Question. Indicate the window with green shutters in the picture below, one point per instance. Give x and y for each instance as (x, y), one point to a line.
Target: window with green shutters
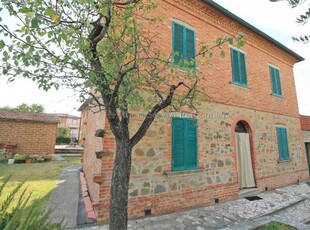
(184, 144)
(183, 46)
(282, 144)
(238, 67)
(275, 81)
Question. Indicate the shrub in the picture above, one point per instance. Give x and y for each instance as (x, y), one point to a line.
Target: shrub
(20, 157)
(13, 218)
(63, 140)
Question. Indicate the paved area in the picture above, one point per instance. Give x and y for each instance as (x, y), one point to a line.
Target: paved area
(59, 157)
(65, 197)
(290, 205)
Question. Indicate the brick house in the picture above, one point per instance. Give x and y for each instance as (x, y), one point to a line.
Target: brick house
(247, 136)
(305, 127)
(27, 133)
(72, 123)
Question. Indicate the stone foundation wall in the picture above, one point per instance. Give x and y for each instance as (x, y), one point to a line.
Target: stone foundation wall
(154, 186)
(306, 135)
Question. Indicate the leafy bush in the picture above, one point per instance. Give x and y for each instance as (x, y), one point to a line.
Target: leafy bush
(63, 140)
(20, 157)
(63, 136)
(22, 216)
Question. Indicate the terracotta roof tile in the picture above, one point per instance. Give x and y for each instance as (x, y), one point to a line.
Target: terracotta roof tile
(305, 122)
(8, 114)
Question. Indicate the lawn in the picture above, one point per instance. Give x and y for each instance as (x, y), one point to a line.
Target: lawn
(41, 178)
(276, 226)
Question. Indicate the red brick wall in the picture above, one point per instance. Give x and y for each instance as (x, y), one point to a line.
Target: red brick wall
(30, 137)
(217, 78)
(92, 165)
(305, 122)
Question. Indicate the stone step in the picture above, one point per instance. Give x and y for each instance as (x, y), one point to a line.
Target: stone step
(248, 192)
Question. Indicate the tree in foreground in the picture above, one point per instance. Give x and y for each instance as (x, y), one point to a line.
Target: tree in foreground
(105, 50)
(301, 20)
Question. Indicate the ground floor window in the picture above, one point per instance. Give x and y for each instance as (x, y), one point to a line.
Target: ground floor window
(282, 144)
(184, 144)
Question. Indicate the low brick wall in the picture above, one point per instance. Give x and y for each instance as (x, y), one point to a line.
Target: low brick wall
(30, 137)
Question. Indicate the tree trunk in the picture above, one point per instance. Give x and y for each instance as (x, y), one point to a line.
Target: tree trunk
(120, 184)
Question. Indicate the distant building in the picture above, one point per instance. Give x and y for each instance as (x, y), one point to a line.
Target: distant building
(84, 109)
(27, 133)
(71, 122)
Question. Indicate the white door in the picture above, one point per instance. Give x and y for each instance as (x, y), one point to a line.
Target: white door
(244, 161)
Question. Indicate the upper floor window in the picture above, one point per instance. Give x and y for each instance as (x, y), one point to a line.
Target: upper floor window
(282, 143)
(184, 144)
(183, 46)
(275, 81)
(238, 67)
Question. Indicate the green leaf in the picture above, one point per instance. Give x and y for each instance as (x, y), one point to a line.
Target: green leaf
(222, 53)
(25, 10)
(49, 12)
(64, 36)
(28, 39)
(35, 23)
(2, 44)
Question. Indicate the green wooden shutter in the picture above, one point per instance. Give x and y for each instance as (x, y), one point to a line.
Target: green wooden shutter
(273, 80)
(280, 144)
(190, 47)
(242, 71)
(283, 144)
(277, 76)
(234, 65)
(184, 144)
(191, 144)
(286, 155)
(177, 43)
(178, 146)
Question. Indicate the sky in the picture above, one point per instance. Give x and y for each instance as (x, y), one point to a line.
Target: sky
(275, 19)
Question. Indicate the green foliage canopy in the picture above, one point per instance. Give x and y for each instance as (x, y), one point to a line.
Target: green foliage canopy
(34, 108)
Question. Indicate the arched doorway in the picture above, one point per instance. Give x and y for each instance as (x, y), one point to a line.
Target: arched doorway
(243, 153)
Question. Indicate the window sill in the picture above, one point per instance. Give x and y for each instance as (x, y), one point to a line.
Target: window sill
(239, 85)
(277, 96)
(184, 173)
(284, 161)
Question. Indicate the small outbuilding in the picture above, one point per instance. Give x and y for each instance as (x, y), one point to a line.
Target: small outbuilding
(27, 133)
(305, 127)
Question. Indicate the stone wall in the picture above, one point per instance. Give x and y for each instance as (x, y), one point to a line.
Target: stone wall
(154, 186)
(306, 135)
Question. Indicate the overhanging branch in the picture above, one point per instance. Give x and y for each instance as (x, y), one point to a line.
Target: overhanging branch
(152, 114)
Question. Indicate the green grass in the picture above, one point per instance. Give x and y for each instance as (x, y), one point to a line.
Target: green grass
(41, 178)
(276, 226)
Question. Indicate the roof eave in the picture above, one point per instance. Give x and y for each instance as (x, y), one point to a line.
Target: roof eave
(254, 29)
